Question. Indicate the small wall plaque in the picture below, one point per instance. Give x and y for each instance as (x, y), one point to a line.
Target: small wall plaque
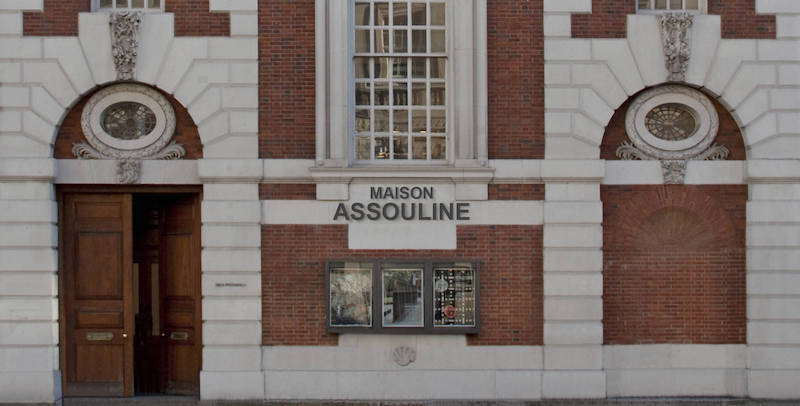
(100, 336)
(179, 336)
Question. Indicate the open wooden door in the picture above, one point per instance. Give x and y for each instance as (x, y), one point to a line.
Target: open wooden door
(97, 293)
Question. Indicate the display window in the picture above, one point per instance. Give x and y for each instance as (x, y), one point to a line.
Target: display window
(413, 297)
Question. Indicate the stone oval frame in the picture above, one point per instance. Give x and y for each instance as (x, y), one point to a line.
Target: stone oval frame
(693, 100)
(142, 147)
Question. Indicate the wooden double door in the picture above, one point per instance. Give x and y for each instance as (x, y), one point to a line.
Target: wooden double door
(130, 293)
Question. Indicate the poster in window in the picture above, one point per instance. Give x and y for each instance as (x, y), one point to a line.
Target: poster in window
(402, 297)
(351, 295)
(454, 296)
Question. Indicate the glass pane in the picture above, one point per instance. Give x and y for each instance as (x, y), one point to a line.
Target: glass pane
(438, 68)
(419, 120)
(644, 4)
(675, 4)
(400, 94)
(362, 148)
(400, 68)
(420, 148)
(402, 297)
(438, 121)
(400, 121)
(418, 41)
(437, 94)
(362, 40)
(437, 41)
(437, 14)
(418, 16)
(420, 95)
(381, 13)
(362, 14)
(362, 67)
(362, 121)
(137, 4)
(400, 41)
(121, 4)
(155, 4)
(454, 296)
(381, 147)
(381, 94)
(661, 4)
(400, 14)
(692, 5)
(106, 3)
(382, 41)
(351, 295)
(401, 147)
(418, 68)
(362, 94)
(438, 148)
(382, 68)
(381, 121)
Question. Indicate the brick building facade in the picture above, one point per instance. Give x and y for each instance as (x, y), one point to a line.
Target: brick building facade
(603, 199)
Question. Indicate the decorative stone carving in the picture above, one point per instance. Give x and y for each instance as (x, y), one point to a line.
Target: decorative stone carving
(404, 355)
(695, 143)
(675, 28)
(150, 141)
(124, 41)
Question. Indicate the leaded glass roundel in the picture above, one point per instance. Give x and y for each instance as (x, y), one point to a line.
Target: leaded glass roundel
(128, 120)
(671, 122)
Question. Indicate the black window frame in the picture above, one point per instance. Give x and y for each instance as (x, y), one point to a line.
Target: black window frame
(427, 294)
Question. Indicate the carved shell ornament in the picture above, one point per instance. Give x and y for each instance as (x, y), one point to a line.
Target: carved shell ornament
(128, 123)
(672, 124)
(404, 355)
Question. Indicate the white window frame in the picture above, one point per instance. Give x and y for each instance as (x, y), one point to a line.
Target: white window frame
(702, 8)
(466, 103)
(96, 6)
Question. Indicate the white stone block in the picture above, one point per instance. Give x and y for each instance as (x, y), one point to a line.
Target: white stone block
(301, 385)
(225, 260)
(572, 192)
(244, 73)
(10, 121)
(789, 122)
(11, 23)
(504, 212)
(569, 147)
(47, 107)
(705, 38)
(406, 235)
(155, 37)
(26, 191)
(676, 382)
(198, 78)
(573, 259)
(604, 83)
(781, 50)
(20, 48)
(561, 98)
(773, 235)
(35, 5)
(217, 125)
(231, 385)
(789, 74)
(777, 6)
(557, 25)
(557, 73)
(233, 5)
(240, 97)
(28, 259)
(518, 385)
(787, 26)
(715, 173)
(28, 333)
(515, 357)
(244, 24)
(232, 236)
(29, 235)
(472, 191)
(633, 173)
(557, 123)
(231, 284)
(70, 57)
(288, 169)
(21, 146)
(561, 308)
(784, 99)
(298, 212)
(573, 333)
(218, 358)
(230, 170)
(752, 107)
(28, 309)
(567, 6)
(773, 308)
(179, 58)
(578, 235)
(774, 384)
(231, 212)
(778, 259)
(746, 79)
(50, 75)
(10, 72)
(37, 128)
(595, 107)
(619, 58)
(233, 48)
(555, 170)
(333, 191)
(232, 308)
(761, 129)
(777, 147)
(566, 357)
(730, 55)
(587, 129)
(708, 356)
(567, 49)
(27, 387)
(773, 332)
(637, 357)
(644, 39)
(778, 357)
(772, 191)
(14, 96)
(95, 38)
(773, 283)
(231, 333)
(773, 170)
(28, 359)
(28, 283)
(233, 146)
(573, 212)
(573, 283)
(230, 191)
(573, 384)
(26, 169)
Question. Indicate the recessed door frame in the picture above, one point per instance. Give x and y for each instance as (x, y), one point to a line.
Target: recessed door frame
(61, 191)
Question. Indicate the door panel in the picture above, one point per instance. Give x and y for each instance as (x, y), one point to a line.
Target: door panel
(97, 294)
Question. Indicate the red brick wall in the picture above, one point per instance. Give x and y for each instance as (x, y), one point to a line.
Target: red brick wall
(293, 280)
(516, 79)
(729, 136)
(286, 79)
(286, 191)
(71, 132)
(608, 19)
(60, 17)
(516, 192)
(674, 264)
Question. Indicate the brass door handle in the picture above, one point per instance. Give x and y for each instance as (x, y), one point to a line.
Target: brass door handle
(124, 335)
